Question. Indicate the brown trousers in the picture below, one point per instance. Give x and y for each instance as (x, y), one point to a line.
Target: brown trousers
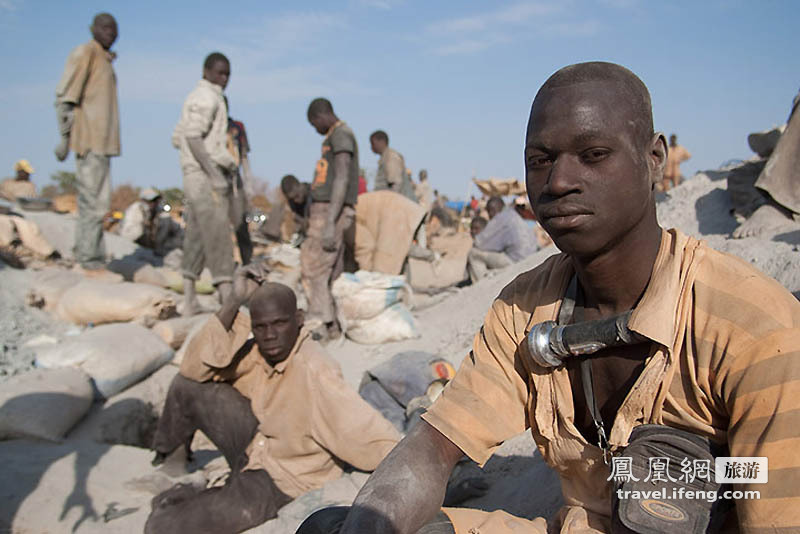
(319, 267)
(248, 498)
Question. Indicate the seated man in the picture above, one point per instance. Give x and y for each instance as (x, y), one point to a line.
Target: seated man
(717, 350)
(20, 185)
(146, 224)
(506, 239)
(275, 404)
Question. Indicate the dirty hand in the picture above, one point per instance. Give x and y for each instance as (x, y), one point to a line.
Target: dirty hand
(328, 238)
(247, 279)
(62, 149)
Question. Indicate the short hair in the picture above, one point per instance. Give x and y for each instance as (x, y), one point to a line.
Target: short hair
(101, 16)
(380, 135)
(288, 183)
(479, 220)
(213, 58)
(319, 106)
(631, 87)
(495, 203)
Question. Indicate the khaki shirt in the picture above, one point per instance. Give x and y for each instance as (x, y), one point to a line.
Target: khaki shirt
(90, 84)
(724, 363)
(12, 189)
(424, 194)
(675, 156)
(310, 420)
(204, 114)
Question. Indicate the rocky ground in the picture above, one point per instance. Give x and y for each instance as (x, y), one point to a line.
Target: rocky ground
(100, 479)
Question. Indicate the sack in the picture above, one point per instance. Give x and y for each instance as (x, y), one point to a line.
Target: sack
(660, 515)
(175, 331)
(97, 302)
(393, 324)
(49, 285)
(364, 295)
(115, 356)
(44, 403)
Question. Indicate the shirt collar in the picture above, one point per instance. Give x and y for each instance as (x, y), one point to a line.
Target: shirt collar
(655, 317)
(214, 87)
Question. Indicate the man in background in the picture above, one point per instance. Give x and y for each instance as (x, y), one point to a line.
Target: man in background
(334, 193)
(88, 121)
(676, 155)
(504, 240)
(208, 169)
(423, 191)
(20, 185)
(391, 167)
(239, 147)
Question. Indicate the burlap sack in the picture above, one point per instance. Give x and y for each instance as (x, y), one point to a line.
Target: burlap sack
(447, 270)
(175, 331)
(44, 403)
(115, 356)
(49, 285)
(97, 302)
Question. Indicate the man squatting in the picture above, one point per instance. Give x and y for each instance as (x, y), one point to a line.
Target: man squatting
(720, 358)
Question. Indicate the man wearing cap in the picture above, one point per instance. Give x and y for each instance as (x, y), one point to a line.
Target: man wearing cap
(148, 225)
(20, 185)
(88, 120)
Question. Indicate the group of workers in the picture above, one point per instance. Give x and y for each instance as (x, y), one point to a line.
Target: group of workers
(716, 356)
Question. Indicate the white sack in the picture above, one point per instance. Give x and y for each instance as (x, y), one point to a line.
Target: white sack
(393, 324)
(364, 294)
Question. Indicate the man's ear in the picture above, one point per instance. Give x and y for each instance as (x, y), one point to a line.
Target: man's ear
(300, 317)
(657, 157)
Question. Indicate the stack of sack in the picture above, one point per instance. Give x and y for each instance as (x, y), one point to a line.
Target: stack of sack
(374, 307)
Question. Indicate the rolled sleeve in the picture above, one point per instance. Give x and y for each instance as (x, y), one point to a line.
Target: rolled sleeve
(211, 351)
(348, 427)
(485, 403)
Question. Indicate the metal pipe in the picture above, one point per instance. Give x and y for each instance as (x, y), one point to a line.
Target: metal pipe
(551, 344)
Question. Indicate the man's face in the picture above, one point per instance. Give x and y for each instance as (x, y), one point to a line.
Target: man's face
(22, 175)
(297, 194)
(104, 31)
(587, 174)
(475, 228)
(493, 210)
(376, 145)
(320, 124)
(275, 328)
(218, 73)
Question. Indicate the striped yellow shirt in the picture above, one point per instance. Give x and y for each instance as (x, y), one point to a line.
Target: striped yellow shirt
(724, 363)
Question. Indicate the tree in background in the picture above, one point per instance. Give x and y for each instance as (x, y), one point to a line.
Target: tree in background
(173, 196)
(260, 199)
(64, 184)
(123, 196)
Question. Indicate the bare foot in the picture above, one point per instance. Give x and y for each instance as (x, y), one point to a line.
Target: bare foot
(768, 218)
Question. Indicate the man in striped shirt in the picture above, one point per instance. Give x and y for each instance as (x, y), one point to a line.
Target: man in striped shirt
(721, 356)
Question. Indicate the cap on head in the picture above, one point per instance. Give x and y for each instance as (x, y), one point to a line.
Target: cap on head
(149, 194)
(631, 88)
(24, 166)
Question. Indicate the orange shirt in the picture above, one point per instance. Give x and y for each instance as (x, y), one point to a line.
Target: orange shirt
(724, 363)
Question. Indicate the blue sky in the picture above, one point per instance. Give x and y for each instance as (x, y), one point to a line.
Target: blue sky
(451, 82)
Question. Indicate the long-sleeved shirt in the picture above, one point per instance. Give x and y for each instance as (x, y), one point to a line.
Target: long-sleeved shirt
(724, 363)
(310, 420)
(205, 115)
(89, 83)
(507, 232)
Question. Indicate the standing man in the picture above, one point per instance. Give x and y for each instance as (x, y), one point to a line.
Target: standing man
(208, 169)
(391, 167)
(423, 191)
(334, 193)
(676, 155)
(239, 147)
(88, 121)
